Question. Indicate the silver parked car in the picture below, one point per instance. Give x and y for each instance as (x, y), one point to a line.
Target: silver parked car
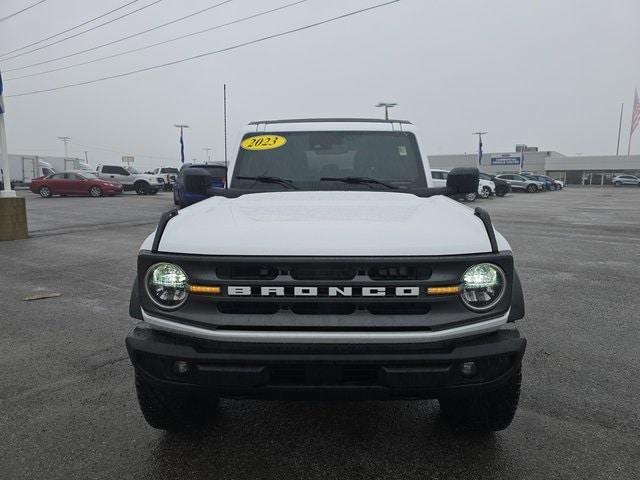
(518, 182)
(625, 180)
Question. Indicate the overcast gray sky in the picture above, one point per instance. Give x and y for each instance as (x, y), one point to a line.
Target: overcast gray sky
(549, 73)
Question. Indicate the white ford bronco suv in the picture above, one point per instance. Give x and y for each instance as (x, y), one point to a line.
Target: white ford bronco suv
(330, 266)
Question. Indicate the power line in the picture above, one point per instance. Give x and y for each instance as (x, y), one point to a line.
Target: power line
(206, 54)
(69, 29)
(243, 19)
(82, 32)
(20, 11)
(121, 39)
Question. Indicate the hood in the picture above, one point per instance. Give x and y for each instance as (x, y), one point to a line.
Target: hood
(326, 223)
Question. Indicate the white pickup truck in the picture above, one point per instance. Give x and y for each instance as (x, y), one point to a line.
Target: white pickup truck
(169, 174)
(131, 179)
(330, 266)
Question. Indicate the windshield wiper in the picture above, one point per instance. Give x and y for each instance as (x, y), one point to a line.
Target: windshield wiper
(266, 179)
(361, 180)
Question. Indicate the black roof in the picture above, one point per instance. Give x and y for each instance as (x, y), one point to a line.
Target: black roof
(344, 120)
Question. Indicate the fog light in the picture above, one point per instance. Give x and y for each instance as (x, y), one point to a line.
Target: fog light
(468, 369)
(180, 367)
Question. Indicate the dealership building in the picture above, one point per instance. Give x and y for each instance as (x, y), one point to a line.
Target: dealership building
(571, 169)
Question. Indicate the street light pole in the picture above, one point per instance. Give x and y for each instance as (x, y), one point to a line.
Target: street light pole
(386, 106)
(65, 140)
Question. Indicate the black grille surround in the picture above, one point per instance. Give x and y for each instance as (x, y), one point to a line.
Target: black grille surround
(323, 312)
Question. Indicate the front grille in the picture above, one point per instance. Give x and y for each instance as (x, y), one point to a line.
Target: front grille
(399, 272)
(247, 272)
(325, 293)
(257, 308)
(323, 308)
(322, 272)
(404, 308)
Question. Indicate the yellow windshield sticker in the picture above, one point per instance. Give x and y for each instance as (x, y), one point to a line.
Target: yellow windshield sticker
(263, 142)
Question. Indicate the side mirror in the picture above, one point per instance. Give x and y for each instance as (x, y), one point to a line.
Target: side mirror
(463, 180)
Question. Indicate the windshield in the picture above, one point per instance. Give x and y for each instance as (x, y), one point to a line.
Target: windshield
(88, 175)
(168, 170)
(319, 160)
(132, 170)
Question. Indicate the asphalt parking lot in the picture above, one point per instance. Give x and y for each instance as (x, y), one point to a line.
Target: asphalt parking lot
(68, 406)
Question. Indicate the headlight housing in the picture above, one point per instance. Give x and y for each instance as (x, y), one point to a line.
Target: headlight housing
(166, 285)
(483, 286)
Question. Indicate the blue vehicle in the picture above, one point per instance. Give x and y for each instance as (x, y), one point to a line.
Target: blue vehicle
(195, 179)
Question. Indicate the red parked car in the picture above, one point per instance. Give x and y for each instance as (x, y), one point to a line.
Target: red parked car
(74, 183)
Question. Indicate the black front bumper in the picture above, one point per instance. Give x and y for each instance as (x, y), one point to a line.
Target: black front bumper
(305, 370)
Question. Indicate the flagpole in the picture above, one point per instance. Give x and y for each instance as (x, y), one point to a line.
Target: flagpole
(7, 191)
(226, 159)
(181, 127)
(619, 130)
(480, 145)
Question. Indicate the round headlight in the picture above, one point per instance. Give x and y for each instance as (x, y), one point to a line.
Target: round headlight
(166, 285)
(482, 286)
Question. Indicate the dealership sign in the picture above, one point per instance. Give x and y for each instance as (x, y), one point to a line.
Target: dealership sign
(505, 160)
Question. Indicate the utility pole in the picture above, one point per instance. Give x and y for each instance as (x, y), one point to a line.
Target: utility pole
(207, 150)
(619, 130)
(181, 127)
(65, 140)
(386, 106)
(480, 145)
(86, 157)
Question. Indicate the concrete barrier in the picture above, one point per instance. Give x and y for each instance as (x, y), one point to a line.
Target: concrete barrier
(13, 219)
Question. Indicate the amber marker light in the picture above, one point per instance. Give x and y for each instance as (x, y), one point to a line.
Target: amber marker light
(204, 289)
(447, 290)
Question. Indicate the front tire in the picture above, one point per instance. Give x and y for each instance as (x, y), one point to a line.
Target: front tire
(471, 197)
(488, 412)
(45, 192)
(141, 188)
(486, 192)
(617, 184)
(166, 410)
(532, 188)
(95, 191)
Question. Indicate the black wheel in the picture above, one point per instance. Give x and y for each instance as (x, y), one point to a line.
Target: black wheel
(95, 191)
(532, 188)
(45, 192)
(487, 412)
(501, 193)
(486, 192)
(142, 188)
(617, 184)
(166, 410)
(471, 197)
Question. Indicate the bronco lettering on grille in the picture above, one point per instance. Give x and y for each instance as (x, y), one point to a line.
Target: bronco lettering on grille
(292, 291)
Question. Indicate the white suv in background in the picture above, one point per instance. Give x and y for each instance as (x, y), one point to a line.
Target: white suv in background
(486, 188)
(169, 174)
(625, 180)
